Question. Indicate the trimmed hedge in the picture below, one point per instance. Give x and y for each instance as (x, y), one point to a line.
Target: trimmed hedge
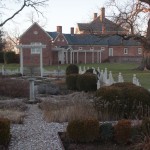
(83, 130)
(123, 99)
(4, 131)
(122, 131)
(72, 69)
(71, 81)
(14, 87)
(87, 82)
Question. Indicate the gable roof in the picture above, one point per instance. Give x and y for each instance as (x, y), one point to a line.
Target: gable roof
(35, 24)
(96, 26)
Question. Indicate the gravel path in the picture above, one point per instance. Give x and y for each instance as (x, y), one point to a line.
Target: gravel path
(35, 133)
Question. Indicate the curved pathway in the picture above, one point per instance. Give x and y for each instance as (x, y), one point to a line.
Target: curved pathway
(35, 133)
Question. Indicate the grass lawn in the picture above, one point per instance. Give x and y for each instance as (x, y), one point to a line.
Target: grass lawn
(127, 70)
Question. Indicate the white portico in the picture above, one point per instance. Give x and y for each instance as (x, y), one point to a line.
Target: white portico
(66, 56)
(38, 47)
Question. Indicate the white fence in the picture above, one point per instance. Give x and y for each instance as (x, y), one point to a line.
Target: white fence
(105, 78)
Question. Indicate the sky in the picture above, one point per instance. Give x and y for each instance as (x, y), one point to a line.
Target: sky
(65, 13)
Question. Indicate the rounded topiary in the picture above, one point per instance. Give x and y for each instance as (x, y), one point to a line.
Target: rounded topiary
(106, 132)
(4, 131)
(71, 81)
(83, 130)
(124, 99)
(122, 131)
(87, 82)
(72, 69)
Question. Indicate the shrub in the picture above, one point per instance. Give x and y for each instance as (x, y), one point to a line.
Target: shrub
(89, 70)
(72, 69)
(71, 81)
(14, 88)
(145, 126)
(83, 130)
(86, 82)
(106, 132)
(4, 131)
(123, 99)
(122, 131)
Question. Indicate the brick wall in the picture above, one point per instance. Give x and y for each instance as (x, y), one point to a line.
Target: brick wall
(36, 34)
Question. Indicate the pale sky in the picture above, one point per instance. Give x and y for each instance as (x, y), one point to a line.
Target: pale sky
(66, 13)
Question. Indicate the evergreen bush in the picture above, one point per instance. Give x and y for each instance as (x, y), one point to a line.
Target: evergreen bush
(87, 82)
(106, 132)
(72, 69)
(4, 131)
(122, 131)
(83, 130)
(71, 81)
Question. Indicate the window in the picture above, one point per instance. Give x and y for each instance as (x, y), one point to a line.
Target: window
(103, 48)
(139, 50)
(125, 50)
(110, 51)
(35, 50)
(80, 48)
(58, 39)
(63, 40)
(91, 48)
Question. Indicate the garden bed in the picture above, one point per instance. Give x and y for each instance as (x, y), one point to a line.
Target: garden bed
(96, 145)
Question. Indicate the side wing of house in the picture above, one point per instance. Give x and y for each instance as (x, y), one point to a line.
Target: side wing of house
(36, 35)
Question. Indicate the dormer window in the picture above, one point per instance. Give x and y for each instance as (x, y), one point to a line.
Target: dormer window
(63, 40)
(80, 48)
(58, 39)
(103, 48)
(125, 50)
(91, 48)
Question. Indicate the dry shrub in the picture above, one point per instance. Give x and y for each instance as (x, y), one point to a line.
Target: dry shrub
(143, 144)
(14, 87)
(13, 105)
(64, 111)
(14, 116)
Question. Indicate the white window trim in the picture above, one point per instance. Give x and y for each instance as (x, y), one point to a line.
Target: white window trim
(91, 48)
(125, 50)
(139, 51)
(103, 48)
(80, 48)
(111, 51)
(35, 50)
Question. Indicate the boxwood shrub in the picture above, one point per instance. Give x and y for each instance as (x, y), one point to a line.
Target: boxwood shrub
(124, 100)
(71, 81)
(72, 69)
(87, 82)
(83, 130)
(4, 131)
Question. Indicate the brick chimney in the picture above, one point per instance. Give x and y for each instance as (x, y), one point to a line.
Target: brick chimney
(72, 30)
(102, 15)
(95, 16)
(59, 29)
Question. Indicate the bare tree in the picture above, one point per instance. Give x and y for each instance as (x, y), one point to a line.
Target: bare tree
(131, 15)
(35, 4)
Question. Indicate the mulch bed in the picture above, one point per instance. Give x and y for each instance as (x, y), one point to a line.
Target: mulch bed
(96, 145)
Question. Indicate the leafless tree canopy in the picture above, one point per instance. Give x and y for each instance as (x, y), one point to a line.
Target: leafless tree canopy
(35, 4)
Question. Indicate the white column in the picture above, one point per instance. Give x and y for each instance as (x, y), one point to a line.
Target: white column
(21, 60)
(100, 57)
(70, 57)
(73, 57)
(41, 62)
(93, 57)
(97, 57)
(77, 57)
(85, 57)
